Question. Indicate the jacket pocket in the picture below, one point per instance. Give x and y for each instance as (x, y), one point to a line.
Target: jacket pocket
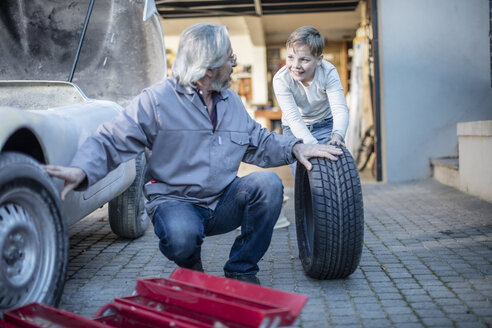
(240, 138)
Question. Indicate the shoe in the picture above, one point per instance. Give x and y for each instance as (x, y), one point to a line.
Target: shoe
(197, 266)
(251, 278)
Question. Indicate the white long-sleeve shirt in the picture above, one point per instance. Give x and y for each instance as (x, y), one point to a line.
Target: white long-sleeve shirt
(302, 105)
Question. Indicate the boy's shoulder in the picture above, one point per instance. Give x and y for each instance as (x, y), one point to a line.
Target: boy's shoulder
(327, 72)
(282, 74)
(326, 66)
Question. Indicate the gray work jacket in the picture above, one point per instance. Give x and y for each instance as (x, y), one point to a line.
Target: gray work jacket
(188, 161)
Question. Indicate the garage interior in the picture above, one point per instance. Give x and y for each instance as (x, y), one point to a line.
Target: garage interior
(258, 31)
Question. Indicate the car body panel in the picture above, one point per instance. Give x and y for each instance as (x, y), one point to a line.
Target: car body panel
(109, 49)
(121, 54)
(60, 130)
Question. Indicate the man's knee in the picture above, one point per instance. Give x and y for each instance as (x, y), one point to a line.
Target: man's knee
(178, 245)
(274, 182)
(269, 185)
(270, 182)
(179, 236)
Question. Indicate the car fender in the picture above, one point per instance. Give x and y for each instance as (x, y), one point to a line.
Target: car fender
(60, 131)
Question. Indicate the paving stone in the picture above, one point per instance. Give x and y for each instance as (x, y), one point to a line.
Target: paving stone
(398, 310)
(344, 320)
(361, 293)
(337, 298)
(430, 312)
(345, 311)
(486, 320)
(339, 304)
(409, 325)
(365, 300)
(376, 323)
(437, 322)
(470, 324)
(365, 314)
(413, 292)
(425, 263)
(418, 298)
(483, 311)
(405, 318)
(390, 296)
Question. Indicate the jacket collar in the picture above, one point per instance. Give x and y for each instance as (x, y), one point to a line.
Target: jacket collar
(191, 91)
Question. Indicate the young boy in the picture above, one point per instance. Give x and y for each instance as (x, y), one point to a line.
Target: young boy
(309, 91)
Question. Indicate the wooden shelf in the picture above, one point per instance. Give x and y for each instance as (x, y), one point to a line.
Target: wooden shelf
(269, 115)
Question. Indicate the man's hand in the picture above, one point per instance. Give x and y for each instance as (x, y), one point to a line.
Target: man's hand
(304, 152)
(336, 140)
(72, 176)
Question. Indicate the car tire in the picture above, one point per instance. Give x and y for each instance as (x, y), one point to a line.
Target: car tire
(127, 215)
(33, 239)
(329, 217)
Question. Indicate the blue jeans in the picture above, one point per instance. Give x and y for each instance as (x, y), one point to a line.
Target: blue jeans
(320, 130)
(252, 202)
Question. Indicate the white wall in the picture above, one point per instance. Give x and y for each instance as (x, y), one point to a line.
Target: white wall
(250, 54)
(435, 72)
(247, 41)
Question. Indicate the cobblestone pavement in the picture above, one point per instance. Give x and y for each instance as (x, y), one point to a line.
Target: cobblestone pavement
(427, 262)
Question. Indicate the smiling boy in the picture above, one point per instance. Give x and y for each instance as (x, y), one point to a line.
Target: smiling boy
(309, 91)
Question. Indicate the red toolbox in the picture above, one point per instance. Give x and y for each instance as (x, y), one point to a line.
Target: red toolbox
(39, 315)
(293, 303)
(187, 299)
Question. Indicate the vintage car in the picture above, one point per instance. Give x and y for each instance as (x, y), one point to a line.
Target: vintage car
(66, 67)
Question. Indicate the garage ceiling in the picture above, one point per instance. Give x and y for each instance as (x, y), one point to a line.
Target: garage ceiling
(209, 8)
(335, 19)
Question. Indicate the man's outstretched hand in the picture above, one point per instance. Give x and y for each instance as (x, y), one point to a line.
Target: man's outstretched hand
(303, 152)
(72, 176)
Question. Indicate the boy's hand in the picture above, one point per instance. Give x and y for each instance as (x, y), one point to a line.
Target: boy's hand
(303, 152)
(72, 176)
(336, 140)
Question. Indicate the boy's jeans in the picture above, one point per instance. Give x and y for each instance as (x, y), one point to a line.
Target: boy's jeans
(252, 202)
(321, 131)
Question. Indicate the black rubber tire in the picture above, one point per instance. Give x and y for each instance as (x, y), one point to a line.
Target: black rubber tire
(127, 215)
(329, 217)
(33, 239)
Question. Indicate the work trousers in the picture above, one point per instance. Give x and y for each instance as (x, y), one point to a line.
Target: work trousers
(252, 202)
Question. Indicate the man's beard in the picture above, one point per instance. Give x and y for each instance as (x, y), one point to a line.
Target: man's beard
(220, 85)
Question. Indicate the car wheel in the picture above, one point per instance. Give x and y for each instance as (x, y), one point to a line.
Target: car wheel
(127, 215)
(33, 240)
(329, 217)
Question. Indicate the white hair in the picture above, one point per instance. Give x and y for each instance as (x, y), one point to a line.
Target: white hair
(201, 46)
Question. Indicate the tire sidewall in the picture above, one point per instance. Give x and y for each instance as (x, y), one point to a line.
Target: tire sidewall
(301, 207)
(127, 216)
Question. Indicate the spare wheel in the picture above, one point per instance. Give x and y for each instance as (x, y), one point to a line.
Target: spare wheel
(329, 217)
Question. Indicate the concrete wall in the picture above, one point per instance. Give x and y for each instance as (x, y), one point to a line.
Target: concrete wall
(475, 158)
(435, 72)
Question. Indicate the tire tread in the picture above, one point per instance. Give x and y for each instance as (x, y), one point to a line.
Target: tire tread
(337, 212)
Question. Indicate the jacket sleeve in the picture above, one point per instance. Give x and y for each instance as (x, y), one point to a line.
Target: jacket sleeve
(268, 149)
(118, 141)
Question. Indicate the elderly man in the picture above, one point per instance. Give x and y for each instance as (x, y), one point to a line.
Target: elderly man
(199, 132)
